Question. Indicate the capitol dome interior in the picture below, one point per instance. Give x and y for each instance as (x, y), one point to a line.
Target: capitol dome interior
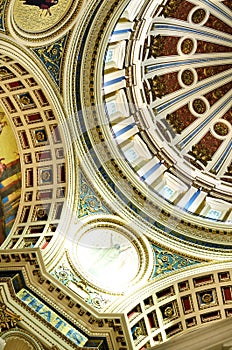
(115, 174)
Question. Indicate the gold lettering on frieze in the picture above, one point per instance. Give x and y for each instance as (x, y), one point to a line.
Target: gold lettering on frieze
(52, 317)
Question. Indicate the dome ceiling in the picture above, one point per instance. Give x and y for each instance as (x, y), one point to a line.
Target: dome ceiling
(167, 95)
(121, 112)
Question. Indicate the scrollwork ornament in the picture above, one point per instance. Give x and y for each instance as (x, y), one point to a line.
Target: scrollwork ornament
(166, 262)
(51, 56)
(8, 319)
(89, 203)
(67, 277)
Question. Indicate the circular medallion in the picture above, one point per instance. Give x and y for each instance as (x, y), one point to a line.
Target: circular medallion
(199, 106)
(187, 46)
(107, 258)
(187, 77)
(207, 298)
(198, 16)
(35, 16)
(221, 129)
(168, 312)
(41, 22)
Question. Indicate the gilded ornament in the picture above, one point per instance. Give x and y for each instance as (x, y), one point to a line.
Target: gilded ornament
(229, 169)
(170, 7)
(7, 318)
(54, 51)
(209, 47)
(187, 46)
(209, 71)
(218, 94)
(199, 106)
(97, 302)
(41, 212)
(168, 312)
(3, 72)
(67, 277)
(166, 262)
(218, 25)
(221, 129)
(25, 100)
(156, 45)
(187, 77)
(51, 56)
(89, 202)
(198, 16)
(28, 244)
(2, 5)
(36, 16)
(207, 298)
(138, 331)
(158, 88)
(165, 258)
(39, 136)
(46, 175)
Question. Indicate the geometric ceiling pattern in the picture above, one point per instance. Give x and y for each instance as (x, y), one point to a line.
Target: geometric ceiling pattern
(41, 154)
(176, 128)
(115, 170)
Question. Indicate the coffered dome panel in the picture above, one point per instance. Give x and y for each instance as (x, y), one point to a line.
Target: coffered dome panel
(162, 128)
(30, 114)
(179, 93)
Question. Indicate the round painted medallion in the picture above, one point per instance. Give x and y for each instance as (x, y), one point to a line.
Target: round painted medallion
(35, 16)
(108, 258)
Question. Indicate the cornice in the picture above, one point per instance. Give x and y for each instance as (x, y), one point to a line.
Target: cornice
(61, 299)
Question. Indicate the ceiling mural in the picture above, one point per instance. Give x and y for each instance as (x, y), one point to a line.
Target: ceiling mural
(39, 22)
(10, 176)
(39, 15)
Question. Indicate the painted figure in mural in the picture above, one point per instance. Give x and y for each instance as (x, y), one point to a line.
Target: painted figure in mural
(107, 256)
(42, 4)
(10, 192)
(2, 167)
(108, 260)
(10, 177)
(2, 124)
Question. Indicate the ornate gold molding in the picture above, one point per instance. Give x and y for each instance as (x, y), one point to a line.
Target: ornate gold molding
(8, 319)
